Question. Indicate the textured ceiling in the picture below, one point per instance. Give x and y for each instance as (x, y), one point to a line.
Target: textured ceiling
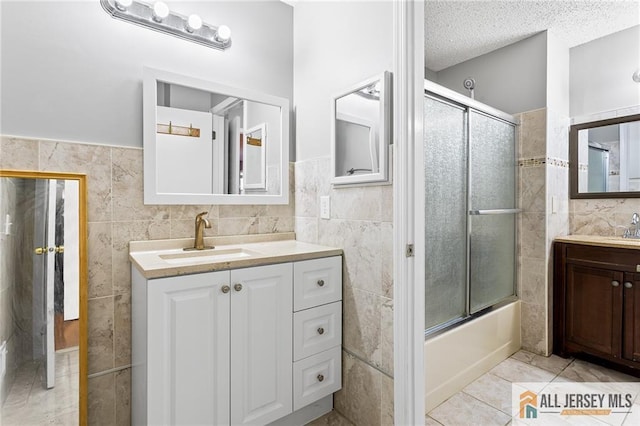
(456, 31)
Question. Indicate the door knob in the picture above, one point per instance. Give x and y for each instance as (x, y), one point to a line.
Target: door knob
(225, 289)
(40, 250)
(615, 283)
(237, 287)
(628, 284)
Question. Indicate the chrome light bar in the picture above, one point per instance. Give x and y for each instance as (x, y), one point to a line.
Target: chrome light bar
(158, 17)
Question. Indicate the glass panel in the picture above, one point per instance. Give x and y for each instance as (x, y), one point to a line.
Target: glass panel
(493, 163)
(492, 238)
(445, 164)
(491, 261)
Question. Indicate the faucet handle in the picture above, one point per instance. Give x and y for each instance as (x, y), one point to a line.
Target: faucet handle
(635, 219)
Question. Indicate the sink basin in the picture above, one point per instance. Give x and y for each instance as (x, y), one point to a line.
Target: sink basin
(212, 255)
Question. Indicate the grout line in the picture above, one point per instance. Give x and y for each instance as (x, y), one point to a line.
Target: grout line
(111, 370)
(367, 362)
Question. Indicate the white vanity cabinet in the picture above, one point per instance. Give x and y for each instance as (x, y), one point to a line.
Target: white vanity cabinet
(231, 347)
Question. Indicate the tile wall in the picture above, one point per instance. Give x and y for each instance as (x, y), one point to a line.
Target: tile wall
(8, 276)
(532, 279)
(544, 195)
(360, 224)
(117, 215)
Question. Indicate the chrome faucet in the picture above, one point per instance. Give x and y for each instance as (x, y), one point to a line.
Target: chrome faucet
(201, 223)
(635, 220)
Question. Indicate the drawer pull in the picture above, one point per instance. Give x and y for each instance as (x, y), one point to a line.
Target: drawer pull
(320, 377)
(320, 330)
(320, 283)
(237, 287)
(225, 289)
(615, 283)
(628, 285)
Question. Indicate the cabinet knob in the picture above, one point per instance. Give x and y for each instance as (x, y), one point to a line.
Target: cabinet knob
(237, 287)
(320, 377)
(225, 289)
(615, 283)
(320, 330)
(628, 284)
(320, 283)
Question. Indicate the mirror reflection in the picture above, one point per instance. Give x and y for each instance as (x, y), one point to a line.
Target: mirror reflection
(206, 143)
(608, 156)
(361, 125)
(40, 281)
(215, 143)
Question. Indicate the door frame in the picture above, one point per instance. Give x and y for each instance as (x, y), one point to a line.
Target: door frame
(408, 239)
(83, 271)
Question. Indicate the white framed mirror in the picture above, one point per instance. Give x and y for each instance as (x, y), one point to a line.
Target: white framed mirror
(206, 143)
(361, 132)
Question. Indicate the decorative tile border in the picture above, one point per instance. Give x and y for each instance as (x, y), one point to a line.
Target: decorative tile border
(541, 161)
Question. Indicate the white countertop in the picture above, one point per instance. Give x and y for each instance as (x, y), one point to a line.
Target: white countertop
(596, 240)
(165, 258)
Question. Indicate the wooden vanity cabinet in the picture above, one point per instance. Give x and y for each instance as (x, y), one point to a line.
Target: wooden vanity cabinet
(596, 303)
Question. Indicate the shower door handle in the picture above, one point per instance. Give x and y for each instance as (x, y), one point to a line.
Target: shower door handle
(493, 211)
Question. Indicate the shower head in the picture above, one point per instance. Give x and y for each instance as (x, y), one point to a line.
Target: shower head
(469, 83)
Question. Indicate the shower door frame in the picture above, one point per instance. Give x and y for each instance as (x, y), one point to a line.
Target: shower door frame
(457, 100)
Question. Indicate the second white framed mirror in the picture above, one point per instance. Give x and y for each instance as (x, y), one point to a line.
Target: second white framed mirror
(361, 132)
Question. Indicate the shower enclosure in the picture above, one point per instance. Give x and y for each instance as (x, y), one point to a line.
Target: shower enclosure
(470, 208)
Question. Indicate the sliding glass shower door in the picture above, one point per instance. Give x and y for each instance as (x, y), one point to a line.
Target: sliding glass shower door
(470, 207)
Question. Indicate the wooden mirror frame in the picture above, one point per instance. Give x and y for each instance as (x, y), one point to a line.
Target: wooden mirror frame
(573, 159)
(83, 274)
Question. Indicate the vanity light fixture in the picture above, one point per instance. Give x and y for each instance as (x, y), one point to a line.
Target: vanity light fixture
(157, 16)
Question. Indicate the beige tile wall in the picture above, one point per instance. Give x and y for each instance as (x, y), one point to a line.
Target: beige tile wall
(532, 255)
(543, 197)
(361, 224)
(117, 215)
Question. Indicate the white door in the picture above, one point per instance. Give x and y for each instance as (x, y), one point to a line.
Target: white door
(261, 343)
(188, 350)
(43, 277)
(218, 160)
(189, 157)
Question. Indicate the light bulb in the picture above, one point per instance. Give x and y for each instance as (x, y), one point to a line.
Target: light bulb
(123, 4)
(160, 11)
(194, 22)
(223, 34)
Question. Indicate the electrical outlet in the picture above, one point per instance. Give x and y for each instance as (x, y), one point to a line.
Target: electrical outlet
(325, 207)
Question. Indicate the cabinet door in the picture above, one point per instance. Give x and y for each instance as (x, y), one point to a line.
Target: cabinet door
(261, 344)
(594, 309)
(631, 325)
(188, 350)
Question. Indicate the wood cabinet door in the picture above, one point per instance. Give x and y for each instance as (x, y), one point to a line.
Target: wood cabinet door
(594, 309)
(188, 350)
(631, 324)
(261, 344)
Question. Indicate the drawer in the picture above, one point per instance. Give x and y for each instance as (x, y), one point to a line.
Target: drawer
(316, 330)
(316, 377)
(317, 282)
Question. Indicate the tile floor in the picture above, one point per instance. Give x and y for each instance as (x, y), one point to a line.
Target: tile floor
(29, 403)
(487, 401)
